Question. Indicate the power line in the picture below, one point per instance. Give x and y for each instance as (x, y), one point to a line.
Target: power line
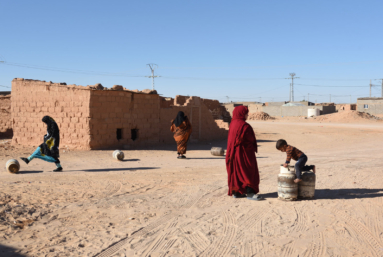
(325, 86)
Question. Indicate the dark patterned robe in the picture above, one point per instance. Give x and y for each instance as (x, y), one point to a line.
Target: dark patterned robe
(51, 144)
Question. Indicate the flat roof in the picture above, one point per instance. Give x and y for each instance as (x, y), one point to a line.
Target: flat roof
(370, 98)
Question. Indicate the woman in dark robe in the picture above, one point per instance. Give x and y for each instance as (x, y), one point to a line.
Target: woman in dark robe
(182, 129)
(49, 150)
(241, 163)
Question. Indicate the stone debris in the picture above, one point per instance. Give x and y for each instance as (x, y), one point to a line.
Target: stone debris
(260, 116)
(348, 116)
(118, 88)
(17, 215)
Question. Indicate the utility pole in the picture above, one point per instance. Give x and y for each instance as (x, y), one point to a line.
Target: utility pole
(370, 87)
(152, 67)
(292, 75)
(228, 99)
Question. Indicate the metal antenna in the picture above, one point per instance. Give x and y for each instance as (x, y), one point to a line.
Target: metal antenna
(292, 75)
(152, 67)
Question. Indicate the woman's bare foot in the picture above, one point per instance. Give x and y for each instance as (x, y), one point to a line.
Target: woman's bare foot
(314, 169)
(297, 180)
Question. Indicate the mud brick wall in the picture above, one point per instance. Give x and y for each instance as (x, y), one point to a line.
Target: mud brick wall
(101, 119)
(255, 108)
(5, 117)
(205, 128)
(345, 107)
(166, 102)
(113, 110)
(67, 105)
(180, 100)
(217, 110)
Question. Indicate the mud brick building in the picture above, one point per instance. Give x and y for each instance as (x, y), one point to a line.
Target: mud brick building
(5, 116)
(94, 117)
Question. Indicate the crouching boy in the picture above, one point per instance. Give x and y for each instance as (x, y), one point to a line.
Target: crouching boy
(298, 156)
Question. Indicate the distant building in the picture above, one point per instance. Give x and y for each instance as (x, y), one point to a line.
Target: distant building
(371, 105)
(5, 92)
(345, 107)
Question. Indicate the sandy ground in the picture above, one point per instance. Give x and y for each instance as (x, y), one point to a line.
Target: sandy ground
(153, 204)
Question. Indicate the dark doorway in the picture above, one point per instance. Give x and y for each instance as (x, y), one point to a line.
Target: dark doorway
(134, 133)
(119, 134)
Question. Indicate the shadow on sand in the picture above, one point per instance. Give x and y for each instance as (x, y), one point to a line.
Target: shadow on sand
(265, 141)
(29, 171)
(118, 169)
(131, 160)
(207, 158)
(7, 251)
(344, 193)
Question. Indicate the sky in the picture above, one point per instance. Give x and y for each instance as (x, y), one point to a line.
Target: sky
(225, 50)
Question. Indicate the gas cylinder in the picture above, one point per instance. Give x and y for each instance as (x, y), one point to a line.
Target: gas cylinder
(12, 166)
(118, 155)
(287, 188)
(217, 151)
(306, 188)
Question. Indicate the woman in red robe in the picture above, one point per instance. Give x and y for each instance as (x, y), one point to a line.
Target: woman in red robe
(241, 163)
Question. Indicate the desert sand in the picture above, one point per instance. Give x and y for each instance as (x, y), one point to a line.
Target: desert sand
(152, 204)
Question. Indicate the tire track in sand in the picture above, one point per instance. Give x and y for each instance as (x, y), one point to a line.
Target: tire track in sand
(221, 246)
(318, 246)
(196, 240)
(300, 223)
(251, 222)
(363, 231)
(160, 243)
(116, 247)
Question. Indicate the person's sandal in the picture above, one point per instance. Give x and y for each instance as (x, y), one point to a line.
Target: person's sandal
(25, 160)
(58, 169)
(254, 197)
(238, 195)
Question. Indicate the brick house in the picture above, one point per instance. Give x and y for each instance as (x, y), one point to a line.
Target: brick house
(94, 117)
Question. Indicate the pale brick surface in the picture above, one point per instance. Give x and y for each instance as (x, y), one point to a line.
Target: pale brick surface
(32, 100)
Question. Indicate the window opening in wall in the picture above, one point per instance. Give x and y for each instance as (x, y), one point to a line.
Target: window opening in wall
(119, 134)
(365, 106)
(134, 133)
